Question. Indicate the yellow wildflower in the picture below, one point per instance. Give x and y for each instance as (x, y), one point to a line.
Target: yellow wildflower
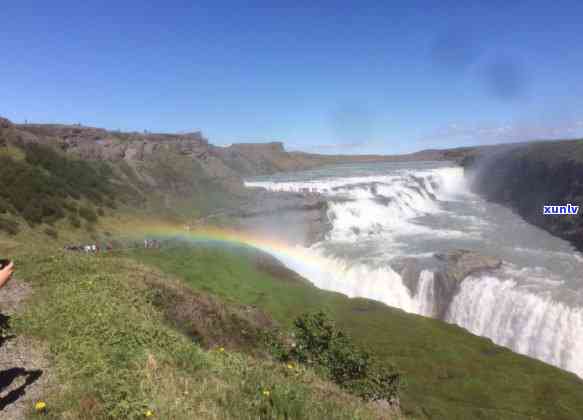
(266, 393)
(40, 406)
(222, 349)
(290, 366)
(149, 413)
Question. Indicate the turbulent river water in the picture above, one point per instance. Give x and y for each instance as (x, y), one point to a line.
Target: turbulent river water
(386, 211)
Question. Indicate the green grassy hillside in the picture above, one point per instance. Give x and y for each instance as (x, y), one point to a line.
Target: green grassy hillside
(41, 187)
(450, 374)
(115, 328)
(116, 356)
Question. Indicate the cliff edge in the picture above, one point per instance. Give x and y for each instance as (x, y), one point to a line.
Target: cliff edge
(528, 177)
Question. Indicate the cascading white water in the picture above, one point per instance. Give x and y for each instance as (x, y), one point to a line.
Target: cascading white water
(382, 284)
(356, 280)
(525, 322)
(498, 309)
(377, 205)
(425, 296)
(374, 214)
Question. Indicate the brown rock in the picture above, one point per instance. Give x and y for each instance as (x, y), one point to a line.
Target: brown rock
(5, 123)
(459, 264)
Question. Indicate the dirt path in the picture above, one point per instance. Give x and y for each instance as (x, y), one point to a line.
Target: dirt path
(23, 365)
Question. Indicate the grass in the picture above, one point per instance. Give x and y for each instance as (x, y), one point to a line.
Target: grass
(450, 374)
(115, 356)
(142, 331)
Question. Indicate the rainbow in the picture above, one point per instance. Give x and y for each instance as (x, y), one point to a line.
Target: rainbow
(217, 235)
(380, 283)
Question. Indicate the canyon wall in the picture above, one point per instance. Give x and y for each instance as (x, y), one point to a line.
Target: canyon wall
(528, 177)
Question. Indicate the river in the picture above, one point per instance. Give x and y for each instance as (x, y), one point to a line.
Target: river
(383, 212)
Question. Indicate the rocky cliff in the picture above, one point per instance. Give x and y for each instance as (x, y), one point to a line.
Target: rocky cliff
(449, 269)
(135, 149)
(180, 173)
(235, 161)
(528, 177)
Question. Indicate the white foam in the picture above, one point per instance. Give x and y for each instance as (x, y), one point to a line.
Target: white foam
(501, 309)
(425, 296)
(516, 308)
(450, 180)
(357, 280)
(528, 323)
(381, 204)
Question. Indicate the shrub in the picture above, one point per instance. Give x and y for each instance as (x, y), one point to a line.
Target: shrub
(52, 233)
(321, 344)
(110, 203)
(88, 214)
(33, 214)
(5, 206)
(42, 183)
(70, 206)
(75, 221)
(51, 210)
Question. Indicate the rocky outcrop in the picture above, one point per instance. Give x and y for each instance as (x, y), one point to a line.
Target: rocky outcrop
(4, 123)
(169, 163)
(242, 159)
(449, 269)
(409, 269)
(457, 265)
(172, 169)
(251, 159)
(99, 144)
(461, 263)
(528, 177)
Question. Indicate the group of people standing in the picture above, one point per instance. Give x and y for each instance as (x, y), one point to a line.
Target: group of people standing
(7, 271)
(151, 243)
(97, 248)
(89, 249)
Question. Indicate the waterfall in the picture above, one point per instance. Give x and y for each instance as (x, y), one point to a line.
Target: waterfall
(372, 215)
(425, 296)
(517, 318)
(382, 284)
(381, 204)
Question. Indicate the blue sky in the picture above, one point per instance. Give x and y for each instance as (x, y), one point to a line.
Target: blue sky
(323, 76)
